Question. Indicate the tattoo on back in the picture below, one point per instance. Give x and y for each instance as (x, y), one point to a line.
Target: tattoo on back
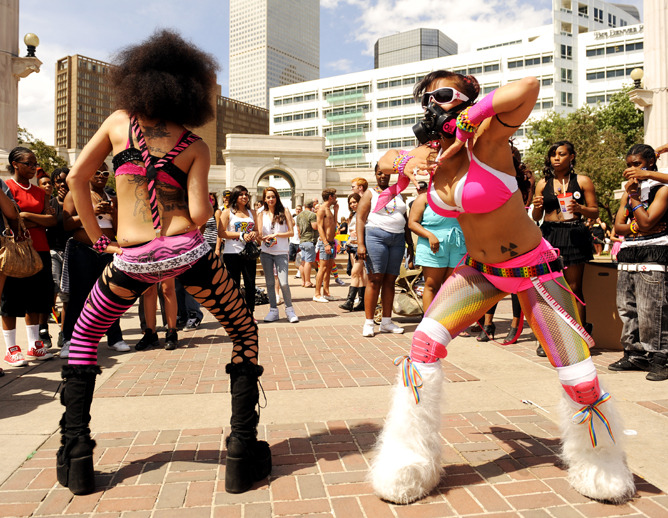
(157, 131)
(509, 249)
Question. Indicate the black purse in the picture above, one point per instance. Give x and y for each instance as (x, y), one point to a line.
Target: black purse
(250, 252)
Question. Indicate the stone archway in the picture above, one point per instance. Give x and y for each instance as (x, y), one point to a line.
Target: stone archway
(282, 182)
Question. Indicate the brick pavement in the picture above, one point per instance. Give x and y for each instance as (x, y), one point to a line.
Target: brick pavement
(498, 463)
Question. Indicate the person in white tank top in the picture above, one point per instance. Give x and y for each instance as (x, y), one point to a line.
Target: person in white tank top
(237, 224)
(275, 227)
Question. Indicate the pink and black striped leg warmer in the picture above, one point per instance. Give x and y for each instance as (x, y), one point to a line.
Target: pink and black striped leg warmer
(102, 308)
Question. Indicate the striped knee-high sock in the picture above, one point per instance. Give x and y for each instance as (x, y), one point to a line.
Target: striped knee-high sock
(102, 308)
(335, 271)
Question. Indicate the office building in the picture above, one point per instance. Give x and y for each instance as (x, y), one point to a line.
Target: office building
(84, 101)
(584, 56)
(272, 43)
(410, 46)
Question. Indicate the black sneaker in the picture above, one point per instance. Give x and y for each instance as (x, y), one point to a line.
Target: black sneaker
(658, 367)
(149, 339)
(540, 352)
(45, 337)
(192, 324)
(631, 362)
(171, 340)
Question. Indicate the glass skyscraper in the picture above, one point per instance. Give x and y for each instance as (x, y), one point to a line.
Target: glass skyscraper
(272, 43)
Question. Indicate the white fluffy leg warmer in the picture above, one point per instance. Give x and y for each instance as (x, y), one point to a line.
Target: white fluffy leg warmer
(599, 473)
(407, 462)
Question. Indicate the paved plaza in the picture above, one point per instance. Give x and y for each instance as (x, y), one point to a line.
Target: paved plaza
(160, 418)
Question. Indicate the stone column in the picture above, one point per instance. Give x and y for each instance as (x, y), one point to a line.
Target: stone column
(656, 74)
(12, 68)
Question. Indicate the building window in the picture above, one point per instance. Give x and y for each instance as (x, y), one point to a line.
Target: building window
(546, 81)
(593, 76)
(547, 59)
(614, 49)
(516, 63)
(598, 15)
(612, 20)
(475, 70)
(630, 47)
(566, 99)
(529, 62)
(595, 98)
(492, 68)
(566, 75)
(595, 52)
(566, 52)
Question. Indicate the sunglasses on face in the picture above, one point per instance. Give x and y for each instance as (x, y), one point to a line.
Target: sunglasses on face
(442, 96)
(102, 173)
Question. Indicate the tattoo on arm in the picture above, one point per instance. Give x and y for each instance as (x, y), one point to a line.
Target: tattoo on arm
(509, 249)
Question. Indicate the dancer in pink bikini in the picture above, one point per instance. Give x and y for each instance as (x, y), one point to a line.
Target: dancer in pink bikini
(465, 148)
(160, 86)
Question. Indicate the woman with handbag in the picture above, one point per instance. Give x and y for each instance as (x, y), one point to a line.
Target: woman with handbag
(9, 212)
(237, 228)
(274, 225)
(28, 296)
(163, 199)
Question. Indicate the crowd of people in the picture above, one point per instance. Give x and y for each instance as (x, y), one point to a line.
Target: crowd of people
(473, 230)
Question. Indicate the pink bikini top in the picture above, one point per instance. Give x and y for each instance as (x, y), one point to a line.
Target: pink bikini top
(481, 190)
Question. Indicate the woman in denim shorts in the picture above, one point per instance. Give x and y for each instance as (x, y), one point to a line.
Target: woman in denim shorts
(382, 239)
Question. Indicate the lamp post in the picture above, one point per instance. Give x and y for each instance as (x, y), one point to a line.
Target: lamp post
(12, 69)
(637, 75)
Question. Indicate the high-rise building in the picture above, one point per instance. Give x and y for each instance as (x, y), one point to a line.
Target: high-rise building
(272, 43)
(84, 100)
(583, 57)
(411, 46)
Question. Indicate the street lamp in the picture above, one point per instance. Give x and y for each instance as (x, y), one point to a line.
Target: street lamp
(637, 75)
(32, 42)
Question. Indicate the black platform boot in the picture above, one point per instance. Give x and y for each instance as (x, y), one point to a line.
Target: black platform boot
(248, 460)
(349, 304)
(360, 294)
(74, 461)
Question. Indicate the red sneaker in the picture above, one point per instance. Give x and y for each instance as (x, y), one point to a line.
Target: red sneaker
(14, 357)
(39, 352)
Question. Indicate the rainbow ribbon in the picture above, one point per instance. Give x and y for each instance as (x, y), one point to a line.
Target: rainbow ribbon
(411, 375)
(587, 414)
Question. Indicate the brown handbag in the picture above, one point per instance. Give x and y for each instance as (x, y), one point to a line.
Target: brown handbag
(18, 258)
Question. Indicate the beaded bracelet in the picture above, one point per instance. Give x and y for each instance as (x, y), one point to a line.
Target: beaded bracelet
(464, 123)
(636, 207)
(633, 227)
(101, 244)
(397, 161)
(403, 163)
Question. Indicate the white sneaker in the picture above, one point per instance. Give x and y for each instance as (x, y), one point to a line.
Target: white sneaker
(391, 328)
(330, 297)
(272, 316)
(299, 275)
(14, 357)
(120, 346)
(290, 313)
(368, 330)
(320, 298)
(38, 352)
(339, 282)
(65, 350)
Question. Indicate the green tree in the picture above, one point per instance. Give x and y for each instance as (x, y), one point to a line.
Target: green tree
(47, 156)
(601, 135)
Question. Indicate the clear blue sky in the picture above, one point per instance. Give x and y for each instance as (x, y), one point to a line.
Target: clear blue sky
(348, 31)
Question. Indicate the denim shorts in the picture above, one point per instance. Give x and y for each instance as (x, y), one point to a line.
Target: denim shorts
(308, 252)
(384, 251)
(324, 256)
